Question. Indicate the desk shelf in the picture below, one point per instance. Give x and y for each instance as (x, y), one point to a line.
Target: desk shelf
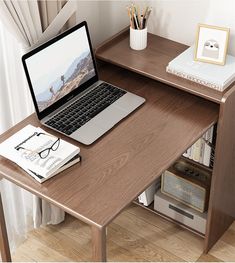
(152, 61)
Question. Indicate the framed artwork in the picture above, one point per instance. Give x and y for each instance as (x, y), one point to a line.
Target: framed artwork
(211, 44)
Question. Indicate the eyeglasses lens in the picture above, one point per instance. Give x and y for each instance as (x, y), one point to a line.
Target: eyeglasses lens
(44, 153)
(55, 145)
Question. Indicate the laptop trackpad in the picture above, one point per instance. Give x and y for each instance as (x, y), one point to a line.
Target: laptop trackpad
(99, 125)
(110, 116)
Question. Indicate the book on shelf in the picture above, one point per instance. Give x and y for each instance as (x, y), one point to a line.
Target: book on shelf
(202, 151)
(147, 197)
(213, 140)
(213, 76)
(39, 153)
(207, 148)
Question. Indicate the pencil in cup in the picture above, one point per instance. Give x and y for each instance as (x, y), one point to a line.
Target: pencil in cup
(138, 20)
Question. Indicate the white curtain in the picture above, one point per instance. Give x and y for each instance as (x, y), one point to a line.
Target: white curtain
(21, 28)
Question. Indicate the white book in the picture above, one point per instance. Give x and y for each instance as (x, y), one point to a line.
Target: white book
(147, 197)
(214, 76)
(23, 147)
(186, 154)
(191, 152)
(40, 179)
(207, 150)
(202, 149)
(197, 150)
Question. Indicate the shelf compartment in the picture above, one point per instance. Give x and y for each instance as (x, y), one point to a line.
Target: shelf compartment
(151, 209)
(152, 62)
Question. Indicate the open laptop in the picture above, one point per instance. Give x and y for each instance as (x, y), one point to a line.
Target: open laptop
(67, 93)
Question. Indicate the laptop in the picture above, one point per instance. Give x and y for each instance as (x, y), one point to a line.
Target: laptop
(68, 95)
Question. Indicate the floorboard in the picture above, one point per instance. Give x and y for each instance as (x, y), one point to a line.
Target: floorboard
(135, 235)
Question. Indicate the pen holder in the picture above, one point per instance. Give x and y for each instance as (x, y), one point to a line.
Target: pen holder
(138, 38)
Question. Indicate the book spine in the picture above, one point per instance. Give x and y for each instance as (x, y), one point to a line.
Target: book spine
(186, 154)
(143, 198)
(191, 152)
(197, 150)
(194, 79)
(207, 151)
(212, 156)
(202, 150)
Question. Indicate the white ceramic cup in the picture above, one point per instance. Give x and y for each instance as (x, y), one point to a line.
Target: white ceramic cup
(138, 38)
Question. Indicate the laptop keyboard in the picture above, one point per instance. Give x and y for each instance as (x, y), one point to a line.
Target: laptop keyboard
(82, 110)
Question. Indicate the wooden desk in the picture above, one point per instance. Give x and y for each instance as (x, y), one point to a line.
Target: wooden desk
(152, 63)
(119, 166)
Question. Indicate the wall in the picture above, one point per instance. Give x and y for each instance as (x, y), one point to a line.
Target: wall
(113, 17)
(178, 19)
(222, 13)
(173, 19)
(104, 18)
(89, 11)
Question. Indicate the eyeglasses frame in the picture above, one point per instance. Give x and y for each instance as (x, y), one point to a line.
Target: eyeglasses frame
(47, 149)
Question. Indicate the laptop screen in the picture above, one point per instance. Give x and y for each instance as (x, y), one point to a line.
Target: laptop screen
(60, 68)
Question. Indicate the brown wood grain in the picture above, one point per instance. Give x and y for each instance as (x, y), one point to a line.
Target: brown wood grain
(222, 197)
(4, 245)
(119, 166)
(152, 62)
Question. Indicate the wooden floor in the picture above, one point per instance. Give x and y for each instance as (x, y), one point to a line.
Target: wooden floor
(135, 235)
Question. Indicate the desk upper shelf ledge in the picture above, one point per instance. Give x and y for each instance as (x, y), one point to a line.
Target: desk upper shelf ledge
(152, 62)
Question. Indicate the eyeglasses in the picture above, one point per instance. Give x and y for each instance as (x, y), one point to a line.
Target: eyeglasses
(44, 153)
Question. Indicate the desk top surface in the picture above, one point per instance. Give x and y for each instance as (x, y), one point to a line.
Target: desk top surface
(121, 164)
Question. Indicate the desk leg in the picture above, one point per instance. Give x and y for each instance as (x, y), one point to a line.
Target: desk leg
(4, 245)
(98, 244)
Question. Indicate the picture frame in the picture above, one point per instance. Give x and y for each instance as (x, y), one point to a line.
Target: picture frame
(211, 44)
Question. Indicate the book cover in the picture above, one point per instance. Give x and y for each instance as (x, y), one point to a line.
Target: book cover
(210, 75)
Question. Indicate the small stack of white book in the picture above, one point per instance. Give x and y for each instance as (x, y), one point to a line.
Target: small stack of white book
(27, 157)
(201, 151)
(213, 76)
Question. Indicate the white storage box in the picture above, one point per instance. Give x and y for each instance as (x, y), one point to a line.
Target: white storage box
(180, 212)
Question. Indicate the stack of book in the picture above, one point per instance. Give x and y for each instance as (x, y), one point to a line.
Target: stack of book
(214, 76)
(39, 153)
(202, 151)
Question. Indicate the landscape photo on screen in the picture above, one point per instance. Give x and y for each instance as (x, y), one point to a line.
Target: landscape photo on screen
(64, 66)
